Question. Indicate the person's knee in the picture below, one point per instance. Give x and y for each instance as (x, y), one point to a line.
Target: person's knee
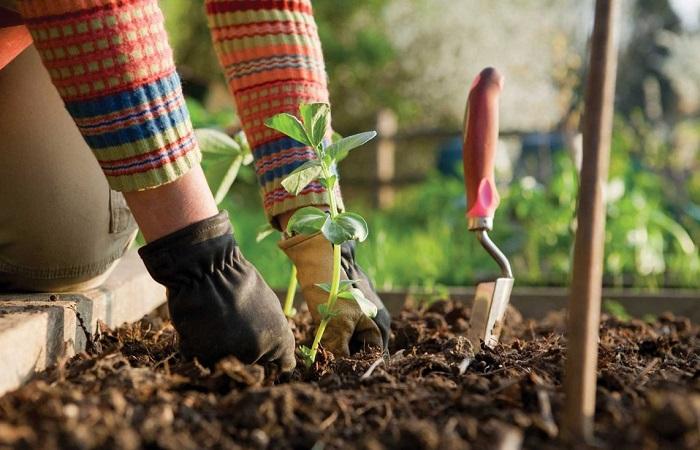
(58, 218)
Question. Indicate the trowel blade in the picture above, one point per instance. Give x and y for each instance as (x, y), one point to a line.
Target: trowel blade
(488, 311)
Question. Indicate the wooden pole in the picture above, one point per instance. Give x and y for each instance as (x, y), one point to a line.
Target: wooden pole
(387, 125)
(586, 285)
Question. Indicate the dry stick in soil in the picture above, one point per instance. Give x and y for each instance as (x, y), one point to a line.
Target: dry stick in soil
(338, 227)
(586, 285)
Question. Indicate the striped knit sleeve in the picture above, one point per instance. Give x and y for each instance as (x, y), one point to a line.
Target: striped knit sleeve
(111, 63)
(271, 55)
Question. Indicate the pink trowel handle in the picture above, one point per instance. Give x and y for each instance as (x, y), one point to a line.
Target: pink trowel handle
(479, 150)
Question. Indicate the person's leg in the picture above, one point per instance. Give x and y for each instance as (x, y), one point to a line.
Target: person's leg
(61, 227)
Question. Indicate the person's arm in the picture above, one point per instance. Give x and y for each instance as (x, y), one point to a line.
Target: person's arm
(271, 56)
(113, 67)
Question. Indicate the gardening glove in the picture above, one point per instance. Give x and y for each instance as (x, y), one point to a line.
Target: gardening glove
(218, 302)
(350, 328)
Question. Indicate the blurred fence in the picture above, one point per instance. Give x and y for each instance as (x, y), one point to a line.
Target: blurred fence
(399, 159)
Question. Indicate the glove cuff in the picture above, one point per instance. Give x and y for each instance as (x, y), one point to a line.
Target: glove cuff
(190, 252)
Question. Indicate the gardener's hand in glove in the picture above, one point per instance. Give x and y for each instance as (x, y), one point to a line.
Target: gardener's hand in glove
(218, 302)
(350, 329)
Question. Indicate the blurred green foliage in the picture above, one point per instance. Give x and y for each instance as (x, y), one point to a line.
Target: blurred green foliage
(188, 32)
(362, 65)
(429, 244)
(360, 60)
(423, 240)
(653, 226)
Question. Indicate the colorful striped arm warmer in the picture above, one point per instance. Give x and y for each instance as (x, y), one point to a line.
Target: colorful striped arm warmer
(271, 55)
(111, 63)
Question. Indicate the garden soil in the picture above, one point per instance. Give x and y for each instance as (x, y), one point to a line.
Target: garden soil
(132, 389)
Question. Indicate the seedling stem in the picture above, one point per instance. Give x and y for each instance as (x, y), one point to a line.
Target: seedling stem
(291, 290)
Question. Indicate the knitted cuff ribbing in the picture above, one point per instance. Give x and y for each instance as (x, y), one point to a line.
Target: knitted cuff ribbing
(271, 55)
(112, 65)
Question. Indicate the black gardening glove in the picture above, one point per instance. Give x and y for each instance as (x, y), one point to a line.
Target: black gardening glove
(218, 302)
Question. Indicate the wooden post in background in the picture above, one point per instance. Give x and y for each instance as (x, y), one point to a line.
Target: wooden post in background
(586, 286)
(387, 125)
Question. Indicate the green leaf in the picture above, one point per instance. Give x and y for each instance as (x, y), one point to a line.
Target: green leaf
(307, 165)
(307, 220)
(295, 182)
(343, 286)
(329, 182)
(325, 312)
(316, 117)
(217, 142)
(335, 137)
(339, 150)
(264, 231)
(221, 172)
(367, 307)
(290, 126)
(242, 141)
(335, 233)
(306, 355)
(222, 157)
(352, 227)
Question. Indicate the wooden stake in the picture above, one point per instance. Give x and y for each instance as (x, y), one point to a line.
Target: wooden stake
(387, 125)
(586, 285)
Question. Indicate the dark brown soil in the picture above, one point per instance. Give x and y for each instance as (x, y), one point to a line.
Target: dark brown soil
(133, 390)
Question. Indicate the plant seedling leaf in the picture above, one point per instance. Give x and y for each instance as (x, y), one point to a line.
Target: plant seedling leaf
(290, 126)
(264, 231)
(316, 117)
(329, 183)
(335, 233)
(222, 159)
(354, 225)
(343, 286)
(340, 149)
(335, 137)
(307, 220)
(302, 176)
(217, 142)
(325, 312)
(368, 308)
(306, 355)
(242, 140)
(220, 172)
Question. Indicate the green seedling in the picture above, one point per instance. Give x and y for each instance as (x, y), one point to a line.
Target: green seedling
(288, 309)
(223, 158)
(337, 227)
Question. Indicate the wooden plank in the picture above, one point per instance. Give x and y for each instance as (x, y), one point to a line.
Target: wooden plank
(37, 329)
(536, 303)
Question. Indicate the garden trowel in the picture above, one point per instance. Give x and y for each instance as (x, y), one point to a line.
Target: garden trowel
(480, 142)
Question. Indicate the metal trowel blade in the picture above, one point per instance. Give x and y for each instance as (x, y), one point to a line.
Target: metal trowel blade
(488, 311)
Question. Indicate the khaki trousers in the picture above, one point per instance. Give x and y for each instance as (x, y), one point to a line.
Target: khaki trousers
(61, 227)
